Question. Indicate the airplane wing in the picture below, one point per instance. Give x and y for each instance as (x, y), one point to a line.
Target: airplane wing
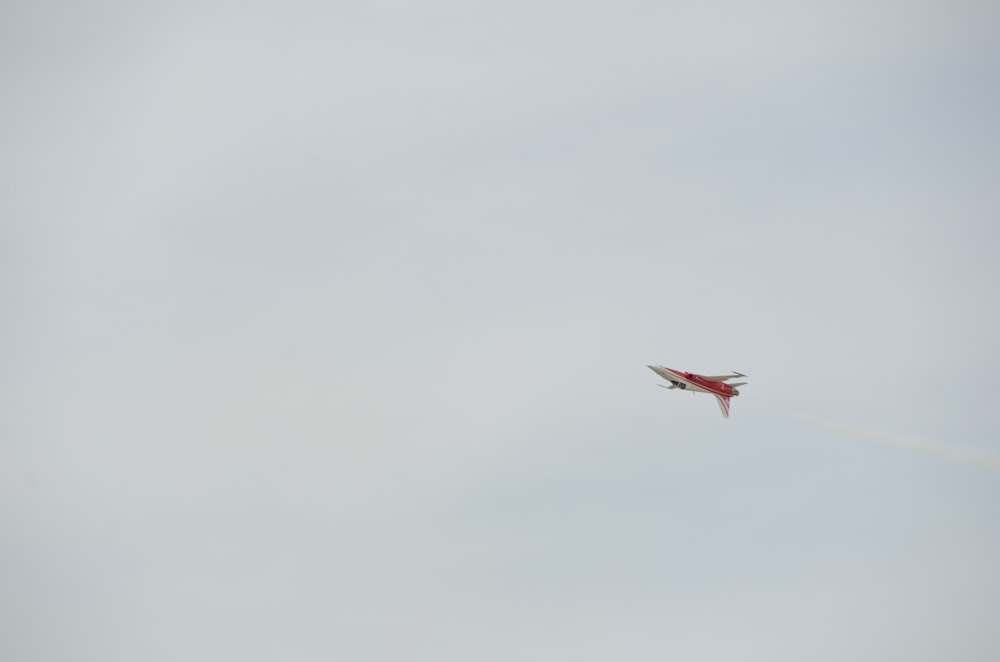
(723, 404)
(721, 378)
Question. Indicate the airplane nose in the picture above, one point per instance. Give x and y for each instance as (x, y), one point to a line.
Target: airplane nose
(736, 391)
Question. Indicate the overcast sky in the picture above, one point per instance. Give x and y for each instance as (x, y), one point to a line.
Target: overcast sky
(324, 330)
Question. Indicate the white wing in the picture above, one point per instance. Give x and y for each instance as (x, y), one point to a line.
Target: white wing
(721, 378)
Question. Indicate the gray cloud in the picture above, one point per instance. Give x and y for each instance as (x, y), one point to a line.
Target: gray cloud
(326, 330)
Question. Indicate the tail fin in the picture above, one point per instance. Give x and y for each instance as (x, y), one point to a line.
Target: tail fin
(723, 404)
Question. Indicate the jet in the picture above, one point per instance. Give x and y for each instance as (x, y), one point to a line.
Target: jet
(717, 385)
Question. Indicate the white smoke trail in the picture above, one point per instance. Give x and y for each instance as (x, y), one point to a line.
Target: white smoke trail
(978, 457)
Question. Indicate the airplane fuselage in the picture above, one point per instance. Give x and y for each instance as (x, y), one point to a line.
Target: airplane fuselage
(695, 383)
(689, 381)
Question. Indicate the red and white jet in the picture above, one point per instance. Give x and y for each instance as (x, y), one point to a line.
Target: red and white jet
(715, 384)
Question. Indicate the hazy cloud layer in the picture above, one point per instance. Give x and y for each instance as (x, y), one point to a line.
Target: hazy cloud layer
(325, 330)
